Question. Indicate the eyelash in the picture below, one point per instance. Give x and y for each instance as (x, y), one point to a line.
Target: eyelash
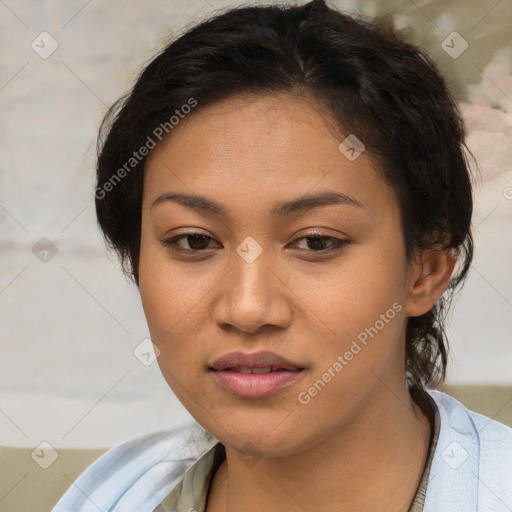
(337, 243)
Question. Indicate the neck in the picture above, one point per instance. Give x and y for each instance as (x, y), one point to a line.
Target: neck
(374, 463)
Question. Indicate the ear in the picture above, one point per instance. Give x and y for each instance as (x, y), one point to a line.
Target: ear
(429, 277)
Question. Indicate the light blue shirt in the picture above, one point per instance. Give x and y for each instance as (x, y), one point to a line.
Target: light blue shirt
(471, 469)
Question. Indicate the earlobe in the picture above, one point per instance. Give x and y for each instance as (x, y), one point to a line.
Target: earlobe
(429, 279)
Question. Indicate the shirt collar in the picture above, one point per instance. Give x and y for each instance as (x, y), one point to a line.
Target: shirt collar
(454, 475)
(192, 490)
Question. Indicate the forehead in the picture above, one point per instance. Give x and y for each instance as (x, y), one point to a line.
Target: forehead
(264, 125)
(265, 147)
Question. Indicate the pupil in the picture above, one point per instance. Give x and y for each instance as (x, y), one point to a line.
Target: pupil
(317, 243)
(195, 238)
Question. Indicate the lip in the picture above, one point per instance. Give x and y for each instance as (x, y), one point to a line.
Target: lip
(253, 360)
(227, 372)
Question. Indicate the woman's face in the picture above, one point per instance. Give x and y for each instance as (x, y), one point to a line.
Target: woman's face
(331, 310)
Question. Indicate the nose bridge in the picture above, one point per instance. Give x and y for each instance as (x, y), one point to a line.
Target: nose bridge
(250, 262)
(251, 279)
(250, 285)
(252, 295)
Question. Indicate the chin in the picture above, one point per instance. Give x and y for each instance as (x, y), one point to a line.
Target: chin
(264, 436)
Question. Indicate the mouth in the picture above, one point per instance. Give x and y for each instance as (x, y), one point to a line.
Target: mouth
(259, 370)
(256, 375)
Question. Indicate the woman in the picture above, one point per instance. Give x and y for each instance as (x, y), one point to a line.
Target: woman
(289, 190)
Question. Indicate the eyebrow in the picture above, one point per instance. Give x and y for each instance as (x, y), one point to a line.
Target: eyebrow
(282, 209)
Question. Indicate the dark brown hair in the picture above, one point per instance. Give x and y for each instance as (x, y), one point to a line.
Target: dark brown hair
(379, 87)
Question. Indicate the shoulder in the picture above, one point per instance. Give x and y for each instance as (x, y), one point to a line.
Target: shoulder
(458, 416)
(137, 474)
(472, 465)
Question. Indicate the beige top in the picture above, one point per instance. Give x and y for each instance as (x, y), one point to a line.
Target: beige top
(191, 492)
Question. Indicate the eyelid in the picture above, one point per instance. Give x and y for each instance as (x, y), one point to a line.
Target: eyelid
(336, 243)
(169, 241)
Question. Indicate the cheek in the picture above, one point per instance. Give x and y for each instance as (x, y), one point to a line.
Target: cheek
(361, 349)
(168, 291)
(165, 296)
(357, 291)
(360, 306)
(174, 299)
(171, 326)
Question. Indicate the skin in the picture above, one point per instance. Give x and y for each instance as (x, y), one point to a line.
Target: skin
(361, 443)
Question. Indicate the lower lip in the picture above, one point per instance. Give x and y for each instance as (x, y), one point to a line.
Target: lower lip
(254, 385)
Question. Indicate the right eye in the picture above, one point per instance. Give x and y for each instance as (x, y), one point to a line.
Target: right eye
(196, 242)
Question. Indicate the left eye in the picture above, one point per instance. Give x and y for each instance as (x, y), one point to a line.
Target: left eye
(317, 242)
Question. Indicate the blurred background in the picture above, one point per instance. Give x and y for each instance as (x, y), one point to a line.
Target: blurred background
(76, 368)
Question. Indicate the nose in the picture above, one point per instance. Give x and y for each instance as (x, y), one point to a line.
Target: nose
(252, 297)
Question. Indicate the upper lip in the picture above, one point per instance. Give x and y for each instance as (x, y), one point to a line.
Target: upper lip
(253, 360)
